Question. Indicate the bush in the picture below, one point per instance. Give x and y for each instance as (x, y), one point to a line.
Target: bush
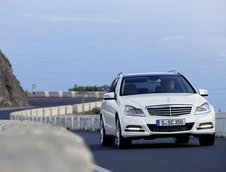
(90, 88)
(94, 111)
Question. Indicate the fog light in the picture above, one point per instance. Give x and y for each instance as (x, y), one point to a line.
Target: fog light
(206, 125)
(134, 128)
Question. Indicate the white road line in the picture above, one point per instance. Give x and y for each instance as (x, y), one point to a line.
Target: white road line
(97, 168)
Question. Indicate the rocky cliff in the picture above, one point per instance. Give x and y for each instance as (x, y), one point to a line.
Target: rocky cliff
(11, 93)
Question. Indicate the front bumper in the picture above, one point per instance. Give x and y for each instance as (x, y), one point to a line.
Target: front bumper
(144, 127)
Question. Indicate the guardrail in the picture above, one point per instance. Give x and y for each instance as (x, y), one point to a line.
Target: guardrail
(27, 146)
(72, 94)
(65, 116)
(221, 124)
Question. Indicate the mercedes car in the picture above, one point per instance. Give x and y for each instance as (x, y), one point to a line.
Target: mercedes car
(155, 105)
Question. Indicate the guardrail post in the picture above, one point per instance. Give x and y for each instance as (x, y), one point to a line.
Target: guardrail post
(79, 124)
(69, 122)
(76, 123)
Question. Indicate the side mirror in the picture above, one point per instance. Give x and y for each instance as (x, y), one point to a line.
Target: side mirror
(109, 96)
(203, 92)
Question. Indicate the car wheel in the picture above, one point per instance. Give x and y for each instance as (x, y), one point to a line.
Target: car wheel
(207, 140)
(105, 140)
(181, 139)
(121, 142)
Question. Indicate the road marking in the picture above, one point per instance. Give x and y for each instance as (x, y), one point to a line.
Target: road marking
(97, 168)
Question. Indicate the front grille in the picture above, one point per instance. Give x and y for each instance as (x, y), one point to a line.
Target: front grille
(156, 128)
(169, 110)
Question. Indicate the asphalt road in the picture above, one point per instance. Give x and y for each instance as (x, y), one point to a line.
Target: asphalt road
(47, 102)
(160, 155)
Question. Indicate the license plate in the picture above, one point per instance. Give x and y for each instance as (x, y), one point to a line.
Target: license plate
(170, 122)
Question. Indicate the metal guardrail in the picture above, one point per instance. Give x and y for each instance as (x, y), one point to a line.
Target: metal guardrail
(221, 124)
(72, 94)
(65, 116)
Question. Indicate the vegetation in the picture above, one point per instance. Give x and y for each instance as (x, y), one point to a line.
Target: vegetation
(94, 111)
(27, 93)
(9, 87)
(89, 88)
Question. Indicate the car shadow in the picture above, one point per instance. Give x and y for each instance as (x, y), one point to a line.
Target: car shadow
(161, 145)
(145, 146)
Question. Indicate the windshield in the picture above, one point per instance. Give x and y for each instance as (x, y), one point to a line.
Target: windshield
(155, 84)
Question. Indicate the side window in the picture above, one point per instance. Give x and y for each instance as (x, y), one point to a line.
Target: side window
(113, 85)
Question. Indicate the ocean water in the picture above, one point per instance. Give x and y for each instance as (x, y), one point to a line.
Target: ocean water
(57, 44)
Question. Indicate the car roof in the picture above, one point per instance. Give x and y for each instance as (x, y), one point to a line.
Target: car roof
(148, 74)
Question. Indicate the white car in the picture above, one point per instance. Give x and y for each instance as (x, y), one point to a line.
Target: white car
(155, 105)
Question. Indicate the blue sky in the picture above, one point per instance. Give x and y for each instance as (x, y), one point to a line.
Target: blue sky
(89, 41)
(58, 43)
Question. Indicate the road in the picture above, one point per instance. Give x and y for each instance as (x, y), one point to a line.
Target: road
(47, 102)
(160, 155)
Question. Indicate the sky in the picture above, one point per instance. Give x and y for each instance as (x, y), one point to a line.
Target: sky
(58, 43)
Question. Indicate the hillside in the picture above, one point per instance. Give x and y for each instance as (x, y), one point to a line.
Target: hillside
(11, 93)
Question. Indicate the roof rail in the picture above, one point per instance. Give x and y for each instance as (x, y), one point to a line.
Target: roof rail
(173, 71)
(121, 73)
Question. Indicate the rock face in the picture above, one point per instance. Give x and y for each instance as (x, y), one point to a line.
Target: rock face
(11, 93)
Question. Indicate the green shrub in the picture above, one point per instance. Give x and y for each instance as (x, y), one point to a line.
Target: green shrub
(94, 111)
(90, 88)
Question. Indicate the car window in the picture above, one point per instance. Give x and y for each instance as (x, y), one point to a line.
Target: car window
(113, 85)
(155, 84)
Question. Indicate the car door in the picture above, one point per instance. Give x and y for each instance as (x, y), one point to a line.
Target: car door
(109, 110)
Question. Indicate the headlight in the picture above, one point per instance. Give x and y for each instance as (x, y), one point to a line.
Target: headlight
(132, 111)
(204, 108)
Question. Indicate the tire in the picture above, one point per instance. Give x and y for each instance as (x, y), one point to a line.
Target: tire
(105, 140)
(121, 142)
(182, 139)
(207, 140)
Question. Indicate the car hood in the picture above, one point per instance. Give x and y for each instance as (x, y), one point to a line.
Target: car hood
(143, 100)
